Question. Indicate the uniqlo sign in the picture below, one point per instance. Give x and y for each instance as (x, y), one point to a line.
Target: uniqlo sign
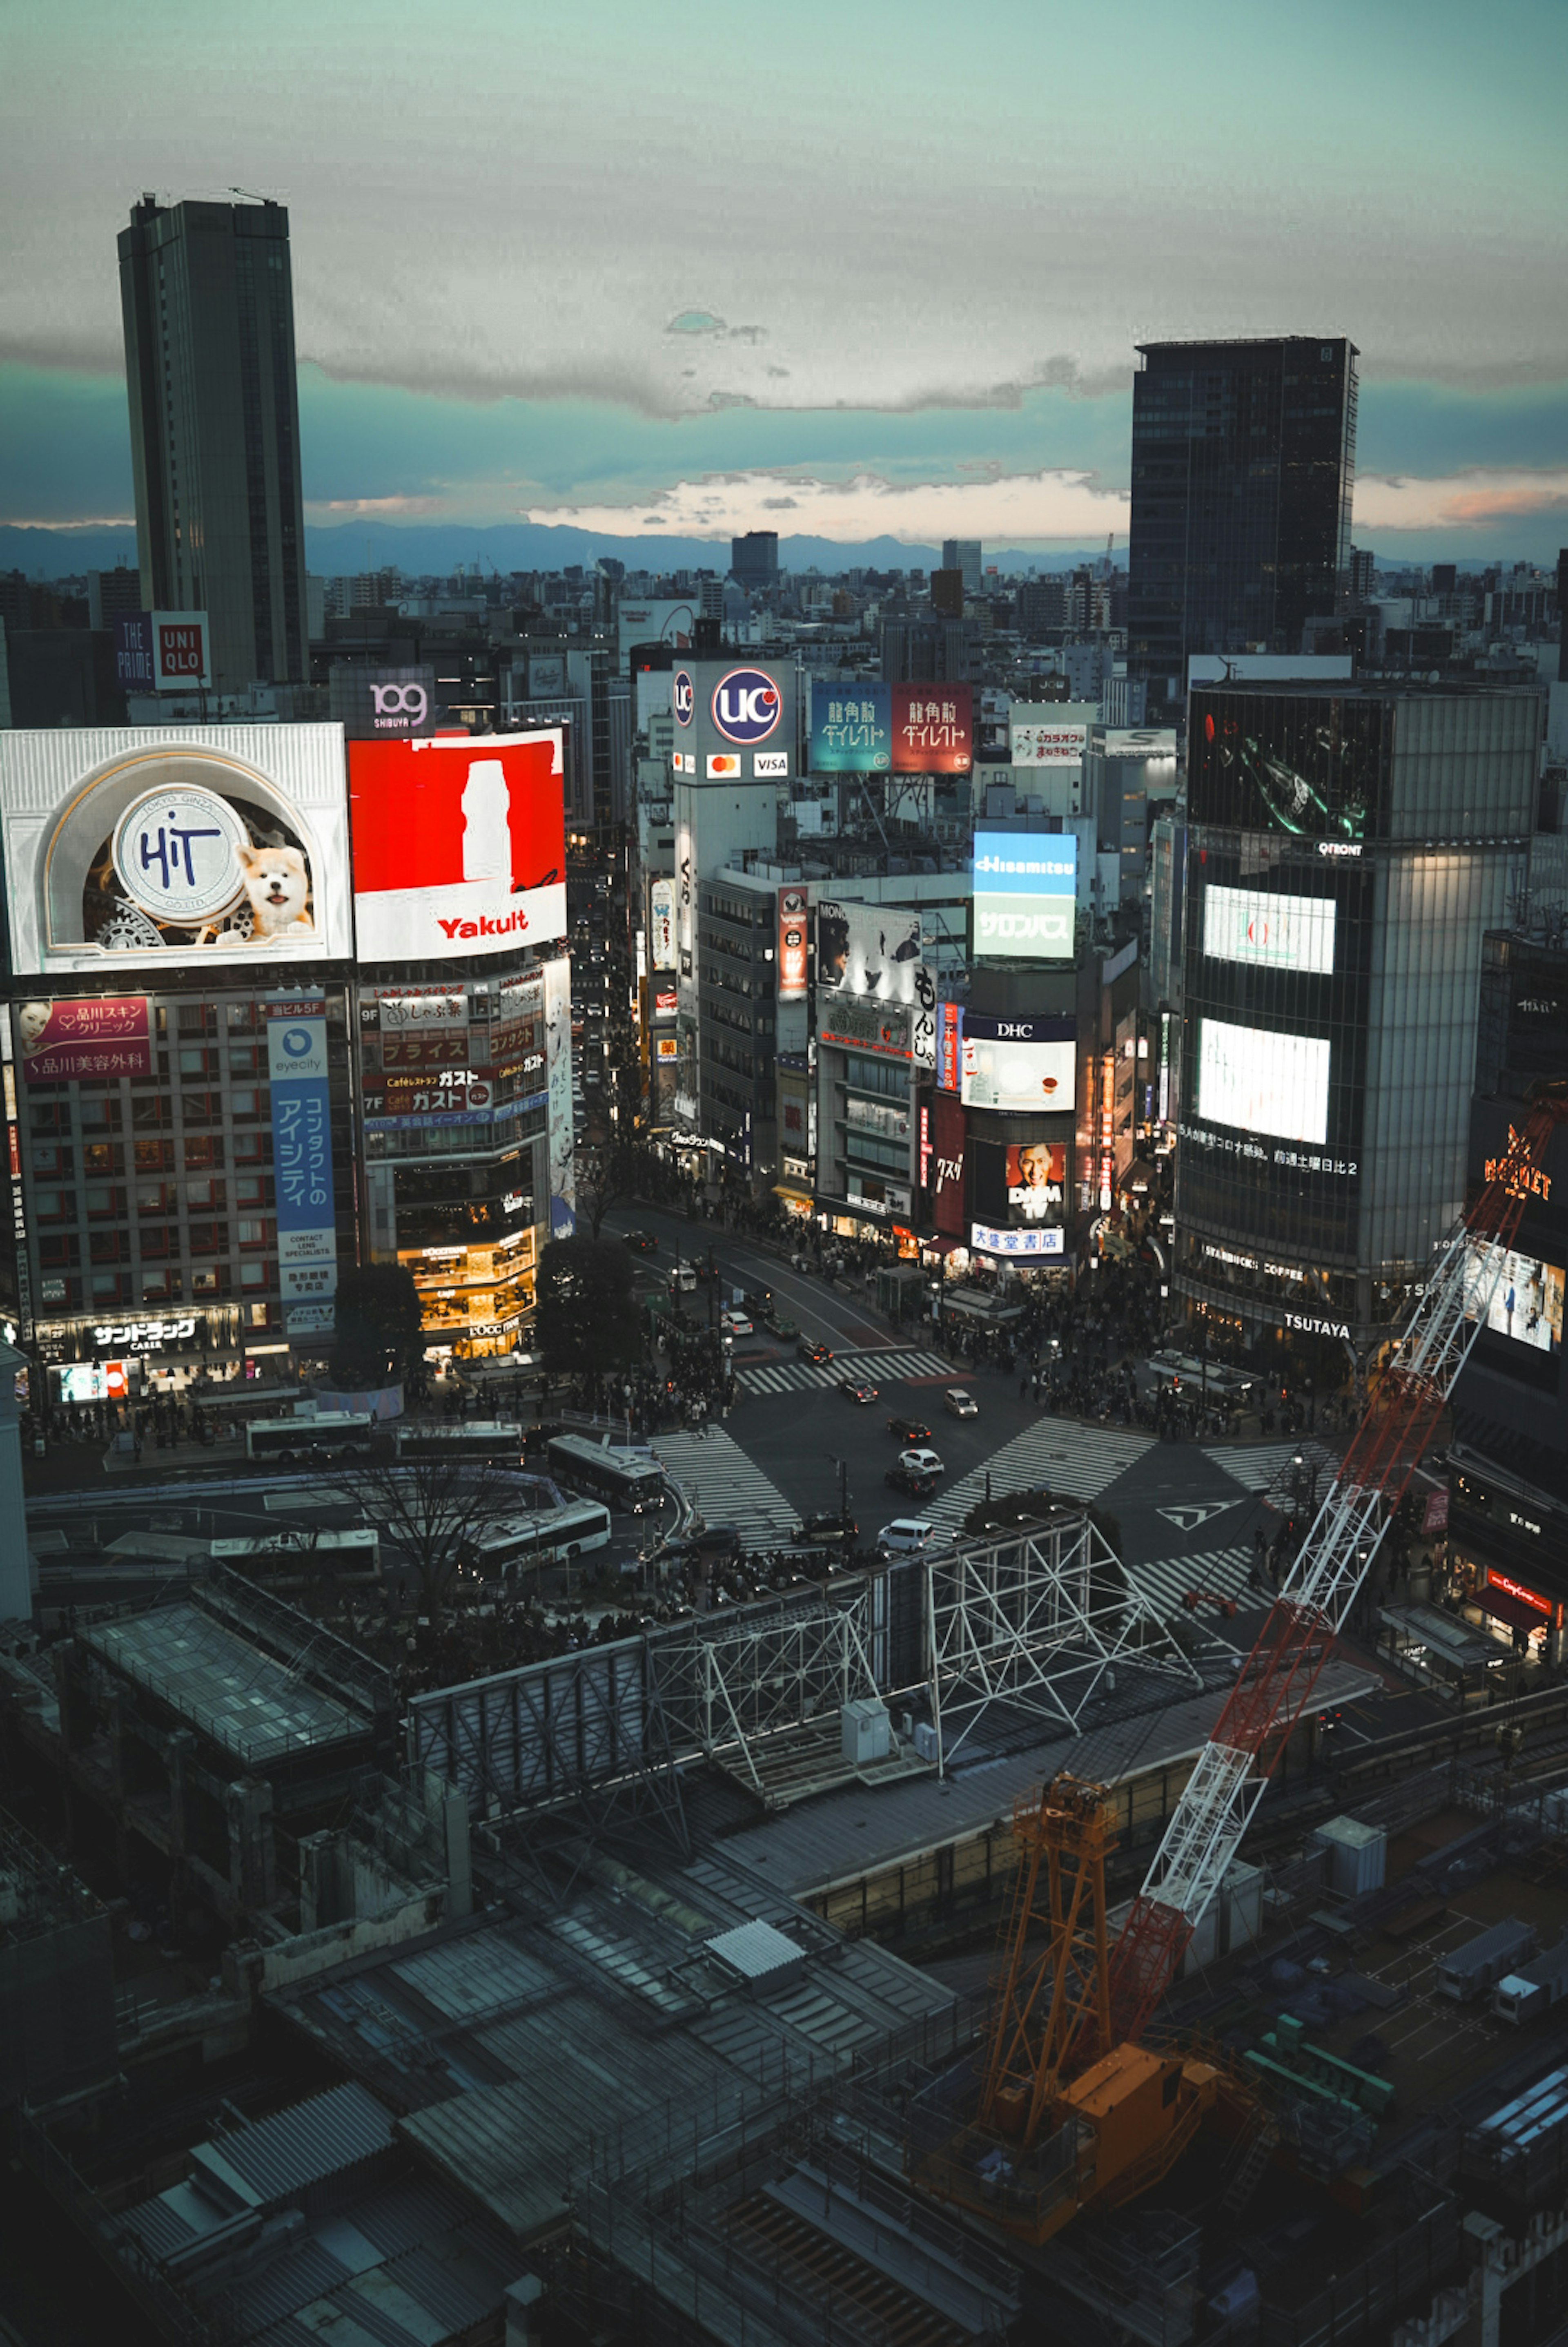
(459, 844)
(179, 648)
(162, 651)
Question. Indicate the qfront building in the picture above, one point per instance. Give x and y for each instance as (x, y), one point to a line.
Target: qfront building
(1347, 848)
(244, 1045)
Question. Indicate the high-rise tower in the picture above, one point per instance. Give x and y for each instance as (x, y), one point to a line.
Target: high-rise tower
(208, 309)
(1244, 461)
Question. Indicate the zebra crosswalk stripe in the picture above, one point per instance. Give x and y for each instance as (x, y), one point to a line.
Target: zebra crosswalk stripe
(876, 1369)
(1166, 1583)
(726, 1486)
(1260, 1465)
(1080, 1460)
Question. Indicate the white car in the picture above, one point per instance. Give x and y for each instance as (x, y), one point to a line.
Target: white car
(906, 1535)
(959, 1404)
(736, 1322)
(921, 1462)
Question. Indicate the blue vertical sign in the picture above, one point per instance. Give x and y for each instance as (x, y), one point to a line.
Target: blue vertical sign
(302, 1165)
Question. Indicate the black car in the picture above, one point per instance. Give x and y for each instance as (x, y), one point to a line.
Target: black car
(640, 1242)
(757, 1301)
(715, 1540)
(909, 1430)
(820, 1529)
(911, 1480)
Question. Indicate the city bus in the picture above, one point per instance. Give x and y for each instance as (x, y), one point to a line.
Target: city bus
(286, 1558)
(630, 1480)
(541, 1534)
(475, 1441)
(330, 1434)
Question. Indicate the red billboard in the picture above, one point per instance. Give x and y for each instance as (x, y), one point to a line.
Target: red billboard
(946, 1184)
(933, 729)
(459, 844)
(103, 1035)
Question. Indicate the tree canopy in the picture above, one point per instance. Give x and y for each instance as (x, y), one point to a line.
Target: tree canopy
(379, 1335)
(587, 1318)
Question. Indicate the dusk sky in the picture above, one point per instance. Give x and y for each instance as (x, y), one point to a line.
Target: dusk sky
(843, 269)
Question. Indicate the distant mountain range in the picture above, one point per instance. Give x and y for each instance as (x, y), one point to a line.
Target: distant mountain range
(440, 546)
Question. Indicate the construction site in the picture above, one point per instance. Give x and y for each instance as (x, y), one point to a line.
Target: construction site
(952, 1953)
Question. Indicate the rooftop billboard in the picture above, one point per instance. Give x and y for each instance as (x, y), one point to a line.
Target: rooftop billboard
(460, 844)
(1025, 894)
(174, 846)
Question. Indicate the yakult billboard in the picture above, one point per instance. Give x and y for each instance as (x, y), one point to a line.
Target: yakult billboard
(174, 845)
(460, 844)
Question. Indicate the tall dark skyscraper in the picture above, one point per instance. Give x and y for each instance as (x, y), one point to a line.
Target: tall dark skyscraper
(754, 559)
(208, 309)
(1244, 461)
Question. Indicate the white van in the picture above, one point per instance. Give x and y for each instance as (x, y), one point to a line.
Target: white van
(682, 1279)
(906, 1535)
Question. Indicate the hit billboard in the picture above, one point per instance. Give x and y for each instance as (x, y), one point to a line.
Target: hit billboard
(174, 846)
(460, 844)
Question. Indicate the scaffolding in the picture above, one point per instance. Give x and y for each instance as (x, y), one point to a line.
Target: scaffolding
(1040, 1623)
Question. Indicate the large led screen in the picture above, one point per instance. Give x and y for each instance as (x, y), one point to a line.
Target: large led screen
(868, 949)
(1262, 1081)
(1269, 930)
(460, 844)
(173, 846)
(1525, 1300)
(1016, 1065)
(1025, 893)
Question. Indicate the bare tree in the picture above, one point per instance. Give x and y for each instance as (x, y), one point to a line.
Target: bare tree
(434, 1510)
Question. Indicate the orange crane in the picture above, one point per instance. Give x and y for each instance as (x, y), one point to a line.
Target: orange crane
(1072, 2108)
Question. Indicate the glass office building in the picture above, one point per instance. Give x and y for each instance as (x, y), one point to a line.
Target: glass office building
(1348, 849)
(1243, 464)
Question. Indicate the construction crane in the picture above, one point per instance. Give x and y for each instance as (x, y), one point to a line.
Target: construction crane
(1071, 2107)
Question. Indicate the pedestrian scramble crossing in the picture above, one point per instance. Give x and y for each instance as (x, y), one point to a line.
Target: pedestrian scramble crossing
(1079, 1460)
(1164, 1584)
(876, 1369)
(725, 1486)
(1266, 1466)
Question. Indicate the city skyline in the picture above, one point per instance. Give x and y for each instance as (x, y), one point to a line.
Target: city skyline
(673, 282)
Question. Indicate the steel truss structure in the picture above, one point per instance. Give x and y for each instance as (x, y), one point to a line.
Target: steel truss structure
(765, 1670)
(1275, 1684)
(1038, 1622)
(1041, 1622)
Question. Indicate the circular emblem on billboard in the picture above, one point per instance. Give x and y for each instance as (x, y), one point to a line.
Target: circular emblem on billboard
(747, 705)
(297, 1042)
(177, 854)
(683, 693)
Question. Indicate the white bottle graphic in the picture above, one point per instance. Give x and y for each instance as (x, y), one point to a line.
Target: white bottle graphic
(486, 822)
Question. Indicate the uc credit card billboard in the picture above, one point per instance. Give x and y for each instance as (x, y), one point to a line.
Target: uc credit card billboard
(459, 844)
(734, 720)
(1025, 894)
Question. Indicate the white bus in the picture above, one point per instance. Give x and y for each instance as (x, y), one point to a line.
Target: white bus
(475, 1441)
(631, 1480)
(354, 1554)
(541, 1534)
(330, 1434)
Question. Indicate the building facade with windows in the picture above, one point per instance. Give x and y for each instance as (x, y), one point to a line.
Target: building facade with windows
(207, 303)
(1243, 465)
(1347, 848)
